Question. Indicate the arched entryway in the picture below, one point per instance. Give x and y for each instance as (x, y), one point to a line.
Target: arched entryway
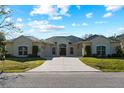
(62, 49)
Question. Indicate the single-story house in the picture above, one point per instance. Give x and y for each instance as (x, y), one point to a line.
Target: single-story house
(24, 46)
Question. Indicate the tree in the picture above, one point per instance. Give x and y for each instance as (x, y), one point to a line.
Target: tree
(2, 44)
(6, 27)
(2, 49)
(119, 51)
(87, 36)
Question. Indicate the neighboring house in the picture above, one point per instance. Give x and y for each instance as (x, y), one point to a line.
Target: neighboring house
(99, 45)
(62, 46)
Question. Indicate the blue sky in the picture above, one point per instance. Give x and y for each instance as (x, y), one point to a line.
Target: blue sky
(63, 20)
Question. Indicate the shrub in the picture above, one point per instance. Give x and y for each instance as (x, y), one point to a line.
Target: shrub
(119, 51)
(31, 55)
(94, 55)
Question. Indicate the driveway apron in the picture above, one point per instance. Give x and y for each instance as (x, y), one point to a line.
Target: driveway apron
(63, 64)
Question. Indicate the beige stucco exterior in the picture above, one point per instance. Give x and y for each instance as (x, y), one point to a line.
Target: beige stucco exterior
(45, 48)
(77, 47)
(122, 44)
(12, 46)
(102, 41)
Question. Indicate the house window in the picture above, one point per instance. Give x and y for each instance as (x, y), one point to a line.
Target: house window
(71, 50)
(101, 50)
(23, 50)
(69, 43)
(54, 51)
(55, 43)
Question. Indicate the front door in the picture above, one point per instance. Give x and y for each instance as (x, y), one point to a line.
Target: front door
(34, 51)
(62, 49)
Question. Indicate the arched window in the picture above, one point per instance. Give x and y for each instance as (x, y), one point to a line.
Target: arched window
(101, 50)
(23, 50)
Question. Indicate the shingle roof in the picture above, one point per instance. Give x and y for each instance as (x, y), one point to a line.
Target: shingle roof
(32, 38)
(113, 38)
(92, 37)
(72, 39)
(120, 36)
(95, 36)
(29, 37)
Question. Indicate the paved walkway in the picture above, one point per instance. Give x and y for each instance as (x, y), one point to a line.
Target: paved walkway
(63, 64)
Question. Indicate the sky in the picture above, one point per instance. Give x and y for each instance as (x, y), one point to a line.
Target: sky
(63, 20)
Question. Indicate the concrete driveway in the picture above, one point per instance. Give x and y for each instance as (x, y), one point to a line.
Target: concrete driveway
(63, 64)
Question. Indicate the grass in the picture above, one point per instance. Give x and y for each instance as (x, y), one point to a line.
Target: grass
(20, 64)
(105, 64)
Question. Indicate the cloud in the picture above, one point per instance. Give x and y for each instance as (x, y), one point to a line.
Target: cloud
(44, 26)
(79, 25)
(73, 24)
(36, 23)
(110, 9)
(113, 7)
(19, 25)
(84, 24)
(55, 18)
(19, 19)
(44, 9)
(78, 6)
(53, 27)
(8, 19)
(89, 15)
(100, 22)
(32, 30)
(63, 10)
(121, 29)
(53, 11)
(107, 15)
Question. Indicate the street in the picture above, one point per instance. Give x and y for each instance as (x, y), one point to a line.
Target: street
(62, 80)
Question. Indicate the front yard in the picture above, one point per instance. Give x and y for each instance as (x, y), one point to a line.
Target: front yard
(105, 64)
(20, 64)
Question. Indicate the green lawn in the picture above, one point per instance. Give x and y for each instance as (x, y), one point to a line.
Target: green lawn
(20, 64)
(105, 64)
